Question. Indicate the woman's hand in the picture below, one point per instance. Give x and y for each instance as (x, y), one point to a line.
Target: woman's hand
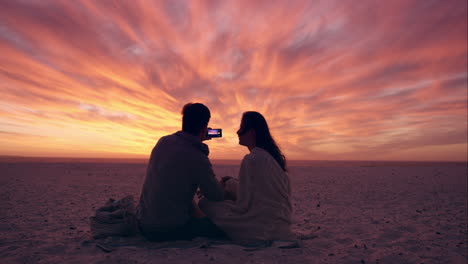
(230, 188)
(224, 180)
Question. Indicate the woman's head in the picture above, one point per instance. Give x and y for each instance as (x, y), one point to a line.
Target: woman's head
(254, 132)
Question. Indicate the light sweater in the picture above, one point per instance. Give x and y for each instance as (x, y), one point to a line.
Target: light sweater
(263, 209)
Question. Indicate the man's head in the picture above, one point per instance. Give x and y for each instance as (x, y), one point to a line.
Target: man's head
(195, 118)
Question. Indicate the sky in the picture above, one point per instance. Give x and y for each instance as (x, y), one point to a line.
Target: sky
(335, 80)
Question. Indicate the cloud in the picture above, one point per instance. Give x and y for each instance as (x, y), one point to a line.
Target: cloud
(334, 79)
(94, 111)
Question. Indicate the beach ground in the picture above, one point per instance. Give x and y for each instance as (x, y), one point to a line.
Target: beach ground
(352, 214)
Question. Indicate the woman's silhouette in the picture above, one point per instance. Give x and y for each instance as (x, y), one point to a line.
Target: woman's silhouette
(262, 208)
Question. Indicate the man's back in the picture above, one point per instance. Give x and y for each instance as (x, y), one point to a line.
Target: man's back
(178, 165)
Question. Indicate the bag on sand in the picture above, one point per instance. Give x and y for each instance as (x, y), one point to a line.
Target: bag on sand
(115, 218)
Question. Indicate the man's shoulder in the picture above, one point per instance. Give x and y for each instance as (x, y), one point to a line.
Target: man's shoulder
(162, 141)
(185, 149)
(170, 136)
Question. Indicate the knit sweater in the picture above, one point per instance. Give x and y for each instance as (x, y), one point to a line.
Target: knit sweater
(263, 209)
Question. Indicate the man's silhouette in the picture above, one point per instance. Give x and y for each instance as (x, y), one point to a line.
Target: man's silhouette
(179, 165)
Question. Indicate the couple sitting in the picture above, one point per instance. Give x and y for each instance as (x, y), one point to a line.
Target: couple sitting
(259, 210)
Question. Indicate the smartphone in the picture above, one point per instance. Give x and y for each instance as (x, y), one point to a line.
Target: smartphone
(214, 133)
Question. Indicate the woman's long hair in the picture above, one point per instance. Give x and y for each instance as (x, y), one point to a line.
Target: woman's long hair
(263, 138)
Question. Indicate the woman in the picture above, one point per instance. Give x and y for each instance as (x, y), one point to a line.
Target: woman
(262, 209)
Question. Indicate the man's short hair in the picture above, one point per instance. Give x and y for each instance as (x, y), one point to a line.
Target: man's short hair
(195, 117)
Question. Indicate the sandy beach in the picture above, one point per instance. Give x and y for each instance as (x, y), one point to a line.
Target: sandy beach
(359, 213)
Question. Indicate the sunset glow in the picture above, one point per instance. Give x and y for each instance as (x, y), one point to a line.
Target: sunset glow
(354, 80)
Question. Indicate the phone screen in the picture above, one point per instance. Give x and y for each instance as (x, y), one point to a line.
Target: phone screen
(217, 132)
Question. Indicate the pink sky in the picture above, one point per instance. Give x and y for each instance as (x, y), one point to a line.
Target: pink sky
(355, 80)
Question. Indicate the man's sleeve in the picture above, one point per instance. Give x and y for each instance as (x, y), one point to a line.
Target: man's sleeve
(209, 185)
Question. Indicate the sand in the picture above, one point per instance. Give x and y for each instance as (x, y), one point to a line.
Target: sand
(372, 213)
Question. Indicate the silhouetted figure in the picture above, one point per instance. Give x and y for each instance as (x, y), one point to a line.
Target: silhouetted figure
(179, 165)
(262, 209)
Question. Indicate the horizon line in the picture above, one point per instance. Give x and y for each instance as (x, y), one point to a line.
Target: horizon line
(6, 158)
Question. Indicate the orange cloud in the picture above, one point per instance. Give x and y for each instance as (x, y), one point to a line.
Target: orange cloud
(335, 80)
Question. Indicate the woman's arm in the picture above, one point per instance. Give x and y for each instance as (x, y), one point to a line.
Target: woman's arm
(245, 191)
(230, 188)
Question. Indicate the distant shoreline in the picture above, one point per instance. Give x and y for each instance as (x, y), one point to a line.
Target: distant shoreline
(293, 163)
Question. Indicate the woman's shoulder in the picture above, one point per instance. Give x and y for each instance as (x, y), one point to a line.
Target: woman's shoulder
(255, 153)
(263, 157)
(257, 156)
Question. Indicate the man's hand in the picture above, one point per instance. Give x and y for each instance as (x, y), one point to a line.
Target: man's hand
(205, 136)
(199, 194)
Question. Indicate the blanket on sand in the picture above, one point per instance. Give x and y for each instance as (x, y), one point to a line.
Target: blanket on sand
(114, 226)
(115, 218)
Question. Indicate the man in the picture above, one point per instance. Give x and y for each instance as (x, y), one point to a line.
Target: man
(179, 165)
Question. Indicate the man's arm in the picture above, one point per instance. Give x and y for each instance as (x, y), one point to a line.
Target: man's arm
(209, 185)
